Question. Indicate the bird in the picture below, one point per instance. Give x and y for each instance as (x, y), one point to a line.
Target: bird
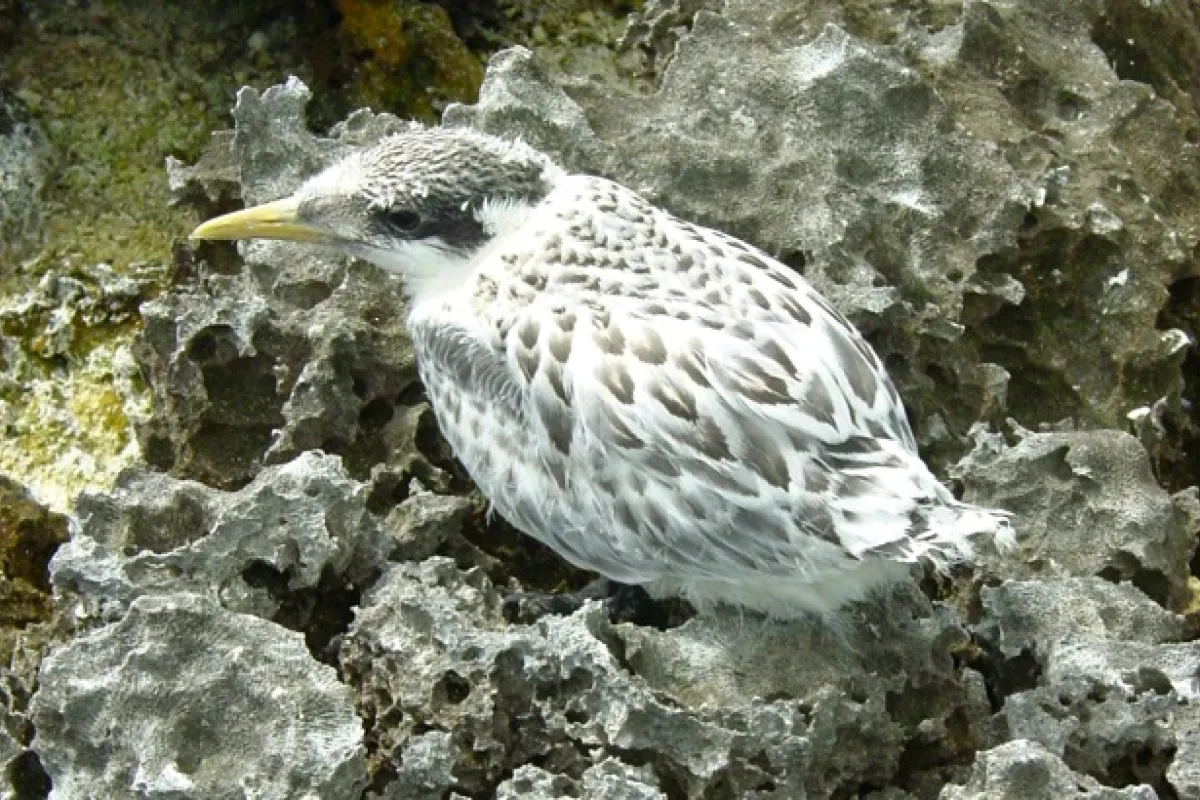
(657, 401)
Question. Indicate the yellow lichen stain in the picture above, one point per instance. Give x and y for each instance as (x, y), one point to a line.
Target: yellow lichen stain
(1192, 608)
(408, 57)
(71, 431)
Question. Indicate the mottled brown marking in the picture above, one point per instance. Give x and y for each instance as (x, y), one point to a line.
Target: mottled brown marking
(650, 349)
(558, 469)
(857, 486)
(855, 368)
(762, 386)
(566, 321)
(856, 446)
(711, 440)
(689, 362)
(614, 377)
(622, 435)
(675, 399)
(554, 374)
(662, 465)
(753, 260)
(765, 525)
(528, 361)
(529, 334)
(781, 277)
(655, 309)
(610, 340)
(718, 478)
(760, 299)
(684, 263)
(816, 479)
(819, 522)
(625, 515)
(817, 402)
(654, 517)
(764, 457)
(713, 297)
(695, 508)
(560, 346)
(774, 351)
(742, 330)
(795, 310)
(877, 429)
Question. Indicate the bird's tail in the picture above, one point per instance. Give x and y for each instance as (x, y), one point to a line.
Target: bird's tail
(942, 532)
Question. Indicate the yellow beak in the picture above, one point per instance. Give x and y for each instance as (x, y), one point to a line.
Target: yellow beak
(275, 220)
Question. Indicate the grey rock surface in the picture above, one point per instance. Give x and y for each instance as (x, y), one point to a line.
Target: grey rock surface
(294, 526)
(184, 699)
(554, 690)
(1037, 616)
(1089, 505)
(608, 780)
(1023, 769)
(26, 161)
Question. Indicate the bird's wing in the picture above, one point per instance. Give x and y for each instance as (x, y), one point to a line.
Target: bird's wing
(749, 428)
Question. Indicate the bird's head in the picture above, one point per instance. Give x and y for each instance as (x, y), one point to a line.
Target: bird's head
(420, 203)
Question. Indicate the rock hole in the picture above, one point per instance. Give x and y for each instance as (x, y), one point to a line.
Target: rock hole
(452, 688)
(1069, 106)
(1149, 679)
(306, 294)
(202, 347)
(795, 260)
(28, 777)
(376, 414)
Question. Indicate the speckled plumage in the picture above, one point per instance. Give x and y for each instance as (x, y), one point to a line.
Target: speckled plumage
(656, 401)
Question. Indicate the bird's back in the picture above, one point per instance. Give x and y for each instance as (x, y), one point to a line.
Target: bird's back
(667, 405)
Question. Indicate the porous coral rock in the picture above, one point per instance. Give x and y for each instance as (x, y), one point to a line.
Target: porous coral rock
(1088, 504)
(1025, 770)
(304, 521)
(185, 699)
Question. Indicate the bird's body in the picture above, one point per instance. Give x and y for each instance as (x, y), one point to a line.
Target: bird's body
(656, 401)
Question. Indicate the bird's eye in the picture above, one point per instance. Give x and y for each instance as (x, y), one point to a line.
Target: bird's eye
(403, 220)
